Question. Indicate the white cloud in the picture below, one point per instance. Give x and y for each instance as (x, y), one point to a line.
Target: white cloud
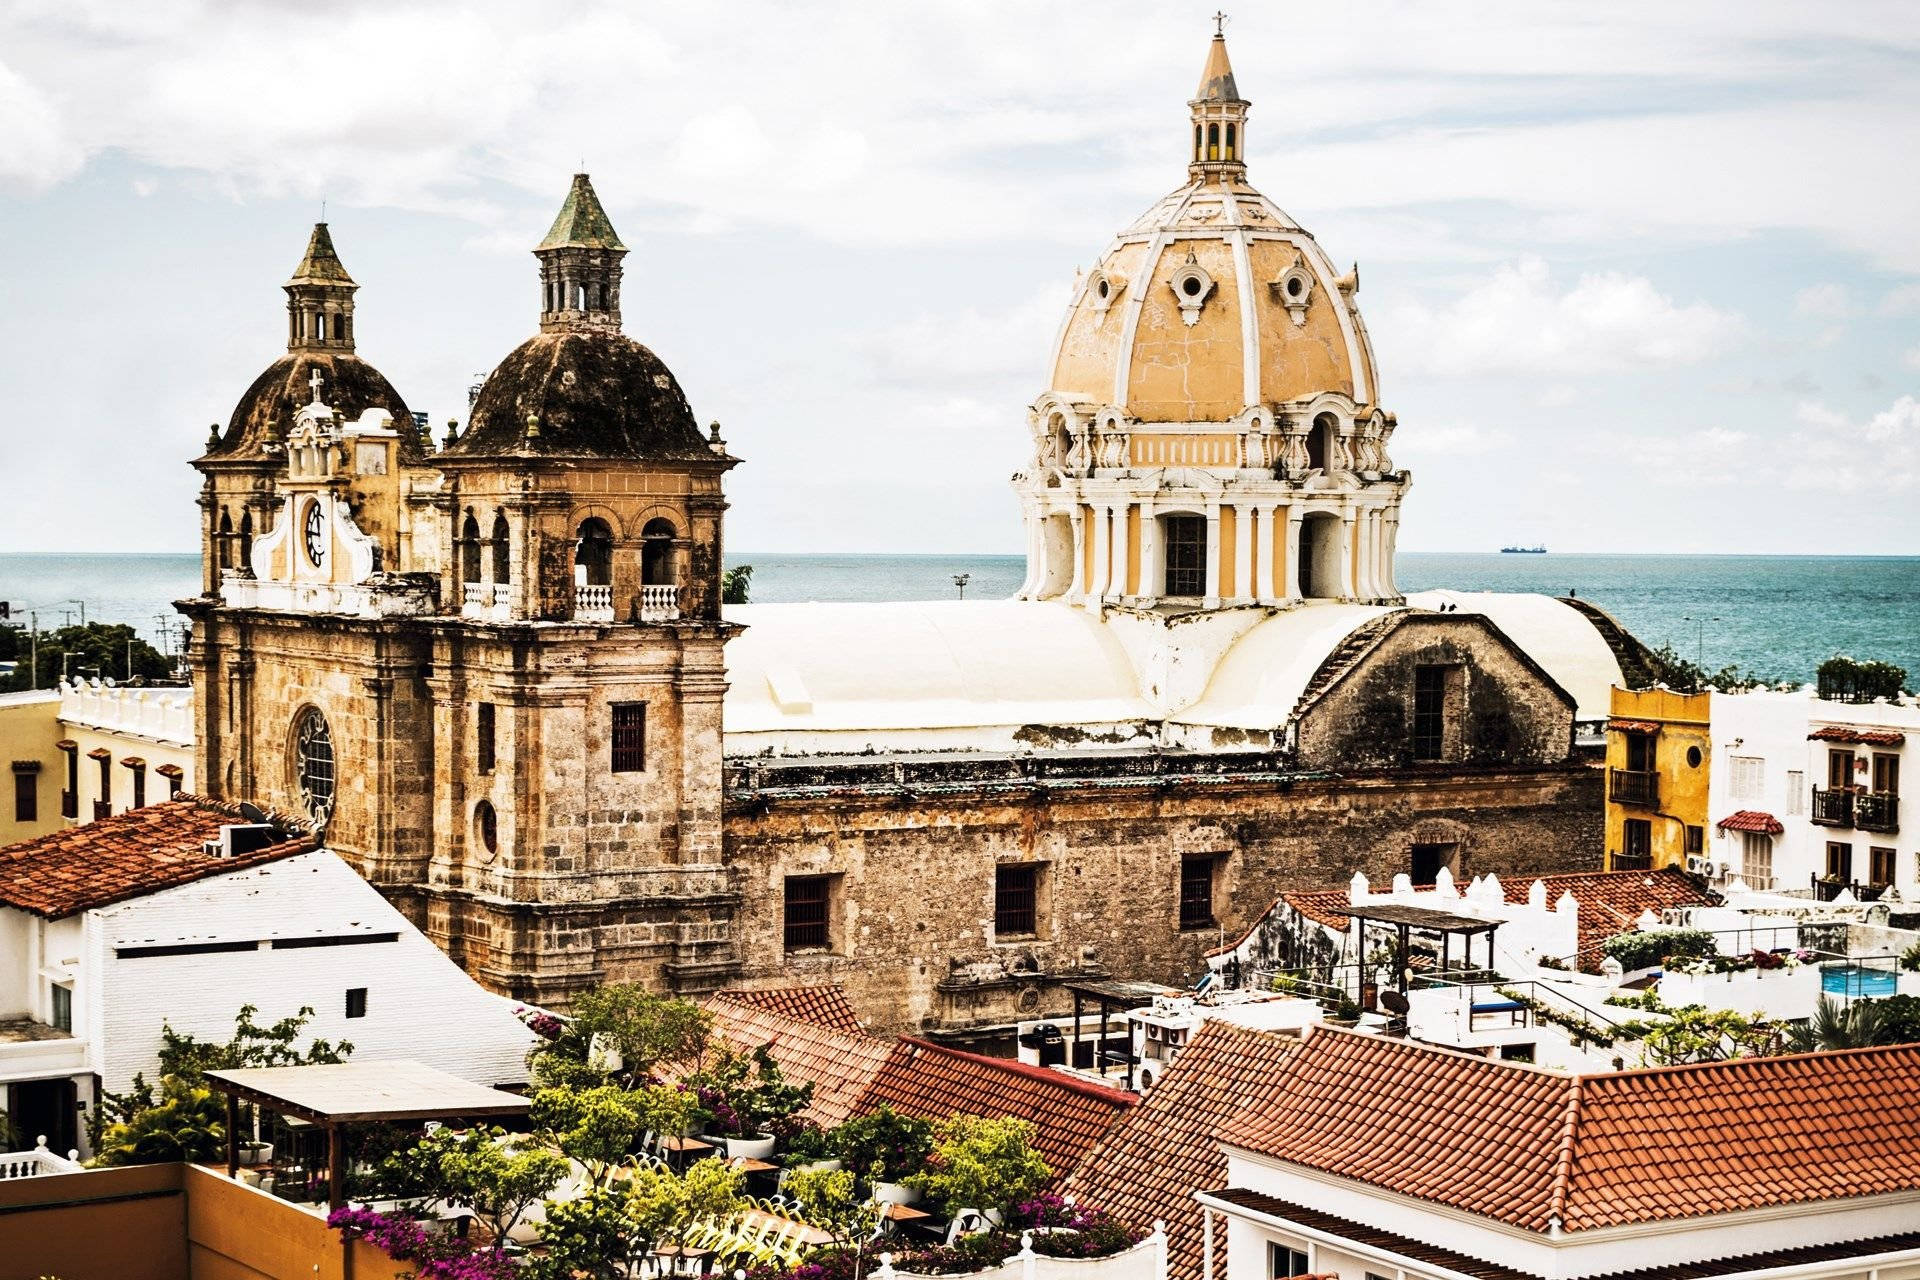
(1824, 302)
(1912, 358)
(1519, 322)
(967, 344)
(1881, 454)
(34, 149)
(1903, 300)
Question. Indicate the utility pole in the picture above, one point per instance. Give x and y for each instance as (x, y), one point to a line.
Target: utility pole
(33, 679)
(961, 580)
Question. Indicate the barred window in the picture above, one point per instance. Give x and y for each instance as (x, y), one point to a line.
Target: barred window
(1196, 892)
(1429, 712)
(483, 737)
(313, 764)
(1186, 555)
(1016, 900)
(809, 911)
(629, 737)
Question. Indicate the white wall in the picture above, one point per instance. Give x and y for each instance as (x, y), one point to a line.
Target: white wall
(419, 1003)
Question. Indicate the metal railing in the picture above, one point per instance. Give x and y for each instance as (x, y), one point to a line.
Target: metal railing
(1634, 786)
(1831, 807)
(1630, 861)
(1876, 811)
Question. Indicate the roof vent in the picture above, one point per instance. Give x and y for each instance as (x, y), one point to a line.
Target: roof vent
(239, 838)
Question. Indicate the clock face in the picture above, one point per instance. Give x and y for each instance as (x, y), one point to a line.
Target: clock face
(315, 533)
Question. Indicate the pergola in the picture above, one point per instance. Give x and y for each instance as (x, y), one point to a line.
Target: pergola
(1407, 920)
(335, 1095)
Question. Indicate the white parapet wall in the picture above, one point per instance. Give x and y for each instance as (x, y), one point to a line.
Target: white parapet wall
(161, 715)
(1145, 1261)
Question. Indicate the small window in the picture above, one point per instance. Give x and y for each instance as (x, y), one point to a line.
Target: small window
(629, 737)
(1641, 749)
(1796, 792)
(1232, 142)
(1284, 1263)
(502, 541)
(486, 826)
(1694, 757)
(1429, 712)
(483, 737)
(1839, 861)
(1886, 774)
(1016, 900)
(1749, 776)
(26, 796)
(1756, 860)
(356, 1002)
(1636, 837)
(1839, 769)
(809, 913)
(1186, 555)
(61, 1010)
(1696, 839)
(1427, 860)
(1196, 892)
(139, 772)
(1880, 866)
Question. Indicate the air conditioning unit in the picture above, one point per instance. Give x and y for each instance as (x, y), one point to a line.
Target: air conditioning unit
(1723, 871)
(241, 837)
(1698, 865)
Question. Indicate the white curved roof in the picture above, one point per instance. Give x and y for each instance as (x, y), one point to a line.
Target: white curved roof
(1557, 636)
(925, 665)
(1258, 680)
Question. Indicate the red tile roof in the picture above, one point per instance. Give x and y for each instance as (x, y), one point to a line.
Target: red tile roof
(1148, 1167)
(1751, 820)
(853, 1074)
(1871, 737)
(1634, 726)
(1530, 1147)
(125, 856)
(1610, 901)
(825, 1005)
(1070, 1115)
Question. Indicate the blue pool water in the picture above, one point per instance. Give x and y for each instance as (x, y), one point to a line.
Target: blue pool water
(1854, 981)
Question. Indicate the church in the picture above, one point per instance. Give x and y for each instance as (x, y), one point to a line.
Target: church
(495, 670)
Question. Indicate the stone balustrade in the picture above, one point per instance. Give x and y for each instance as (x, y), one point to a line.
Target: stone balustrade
(165, 715)
(592, 603)
(659, 603)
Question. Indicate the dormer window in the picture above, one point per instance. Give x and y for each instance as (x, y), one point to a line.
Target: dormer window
(1191, 287)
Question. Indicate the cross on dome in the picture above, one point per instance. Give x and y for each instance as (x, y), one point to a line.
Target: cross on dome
(1219, 22)
(314, 380)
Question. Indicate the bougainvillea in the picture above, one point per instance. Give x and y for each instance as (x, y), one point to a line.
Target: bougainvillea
(405, 1240)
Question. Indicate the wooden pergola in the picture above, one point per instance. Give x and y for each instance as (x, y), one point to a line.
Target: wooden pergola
(1406, 920)
(335, 1095)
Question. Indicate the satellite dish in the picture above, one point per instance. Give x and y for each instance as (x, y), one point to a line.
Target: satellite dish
(1394, 1002)
(252, 812)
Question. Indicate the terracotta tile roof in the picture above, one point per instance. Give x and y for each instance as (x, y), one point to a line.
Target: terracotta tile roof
(1610, 901)
(1634, 726)
(825, 1005)
(1751, 820)
(1150, 1165)
(1070, 1115)
(1461, 1264)
(854, 1073)
(125, 856)
(1530, 1147)
(1870, 737)
(840, 1065)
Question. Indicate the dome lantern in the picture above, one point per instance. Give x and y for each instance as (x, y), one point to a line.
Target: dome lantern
(580, 265)
(1219, 116)
(320, 298)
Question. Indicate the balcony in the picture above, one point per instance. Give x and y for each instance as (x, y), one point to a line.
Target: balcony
(1831, 808)
(592, 603)
(69, 805)
(102, 809)
(659, 603)
(1630, 861)
(1876, 811)
(1634, 786)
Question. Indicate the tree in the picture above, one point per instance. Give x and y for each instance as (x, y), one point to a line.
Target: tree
(596, 1127)
(831, 1202)
(1687, 676)
(98, 649)
(665, 1206)
(735, 584)
(982, 1164)
(593, 1236)
(1836, 1025)
(1693, 1033)
(645, 1029)
(482, 1170)
(186, 1122)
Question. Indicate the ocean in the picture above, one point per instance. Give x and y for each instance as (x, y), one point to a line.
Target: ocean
(1778, 616)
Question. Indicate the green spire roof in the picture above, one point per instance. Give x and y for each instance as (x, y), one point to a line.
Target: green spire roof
(322, 264)
(582, 223)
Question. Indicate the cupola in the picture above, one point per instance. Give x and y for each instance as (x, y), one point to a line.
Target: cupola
(580, 265)
(1219, 119)
(320, 298)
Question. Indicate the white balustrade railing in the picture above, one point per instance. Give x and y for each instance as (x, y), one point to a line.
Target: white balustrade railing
(37, 1162)
(659, 603)
(592, 603)
(479, 594)
(162, 714)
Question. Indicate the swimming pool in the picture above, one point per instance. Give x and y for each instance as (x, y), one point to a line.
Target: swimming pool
(1853, 980)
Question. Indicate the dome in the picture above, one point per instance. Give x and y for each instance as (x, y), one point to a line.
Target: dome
(595, 394)
(348, 384)
(1214, 300)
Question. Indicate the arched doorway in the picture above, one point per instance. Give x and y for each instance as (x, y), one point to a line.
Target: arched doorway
(656, 553)
(470, 550)
(502, 548)
(1183, 539)
(1320, 557)
(593, 554)
(1322, 447)
(1056, 550)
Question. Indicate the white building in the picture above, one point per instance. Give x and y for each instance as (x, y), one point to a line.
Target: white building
(1377, 1157)
(114, 928)
(1805, 790)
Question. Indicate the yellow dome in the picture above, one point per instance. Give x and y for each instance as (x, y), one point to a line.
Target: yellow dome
(1213, 301)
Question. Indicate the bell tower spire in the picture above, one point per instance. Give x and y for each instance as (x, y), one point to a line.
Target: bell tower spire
(580, 266)
(320, 298)
(1219, 116)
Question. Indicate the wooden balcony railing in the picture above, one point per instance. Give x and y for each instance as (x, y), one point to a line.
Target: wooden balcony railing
(1876, 811)
(1630, 862)
(1831, 808)
(1635, 786)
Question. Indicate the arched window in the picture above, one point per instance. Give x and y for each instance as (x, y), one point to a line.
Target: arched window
(1185, 540)
(1320, 535)
(579, 297)
(502, 548)
(313, 765)
(223, 541)
(593, 555)
(1196, 142)
(470, 549)
(320, 326)
(656, 553)
(1231, 141)
(1320, 441)
(246, 541)
(1213, 142)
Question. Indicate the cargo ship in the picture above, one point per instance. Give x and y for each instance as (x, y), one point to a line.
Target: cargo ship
(1523, 551)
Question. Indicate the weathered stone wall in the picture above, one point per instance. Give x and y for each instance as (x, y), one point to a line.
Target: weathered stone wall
(915, 889)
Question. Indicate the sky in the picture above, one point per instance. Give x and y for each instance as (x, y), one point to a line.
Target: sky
(1640, 277)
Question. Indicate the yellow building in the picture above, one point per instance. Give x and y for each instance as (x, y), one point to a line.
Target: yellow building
(1658, 758)
(87, 750)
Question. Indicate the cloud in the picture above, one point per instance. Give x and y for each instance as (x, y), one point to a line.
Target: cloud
(1824, 302)
(1903, 300)
(1880, 454)
(1519, 322)
(965, 345)
(34, 149)
(1912, 358)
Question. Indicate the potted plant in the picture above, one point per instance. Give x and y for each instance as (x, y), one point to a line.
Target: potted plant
(811, 1150)
(981, 1164)
(750, 1104)
(254, 1151)
(886, 1148)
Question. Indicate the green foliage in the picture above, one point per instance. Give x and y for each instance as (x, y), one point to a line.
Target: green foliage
(1841, 679)
(979, 1163)
(665, 1205)
(1646, 948)
(99, 649)
(1687, 676)
(593, 1236)
(884, 1145)
(647, 1030)
(1580, 1030)
(735, 584)
(595, 1126)
(481, 1170)
(1692, 1033)
(832, 1202)
(187, 1121)
(746, 1093)
(1899, 1019)
(808, 1144)
(1910, 958)
(1837, 1025)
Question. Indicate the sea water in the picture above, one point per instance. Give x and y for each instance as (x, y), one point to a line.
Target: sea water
(1779, 616)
